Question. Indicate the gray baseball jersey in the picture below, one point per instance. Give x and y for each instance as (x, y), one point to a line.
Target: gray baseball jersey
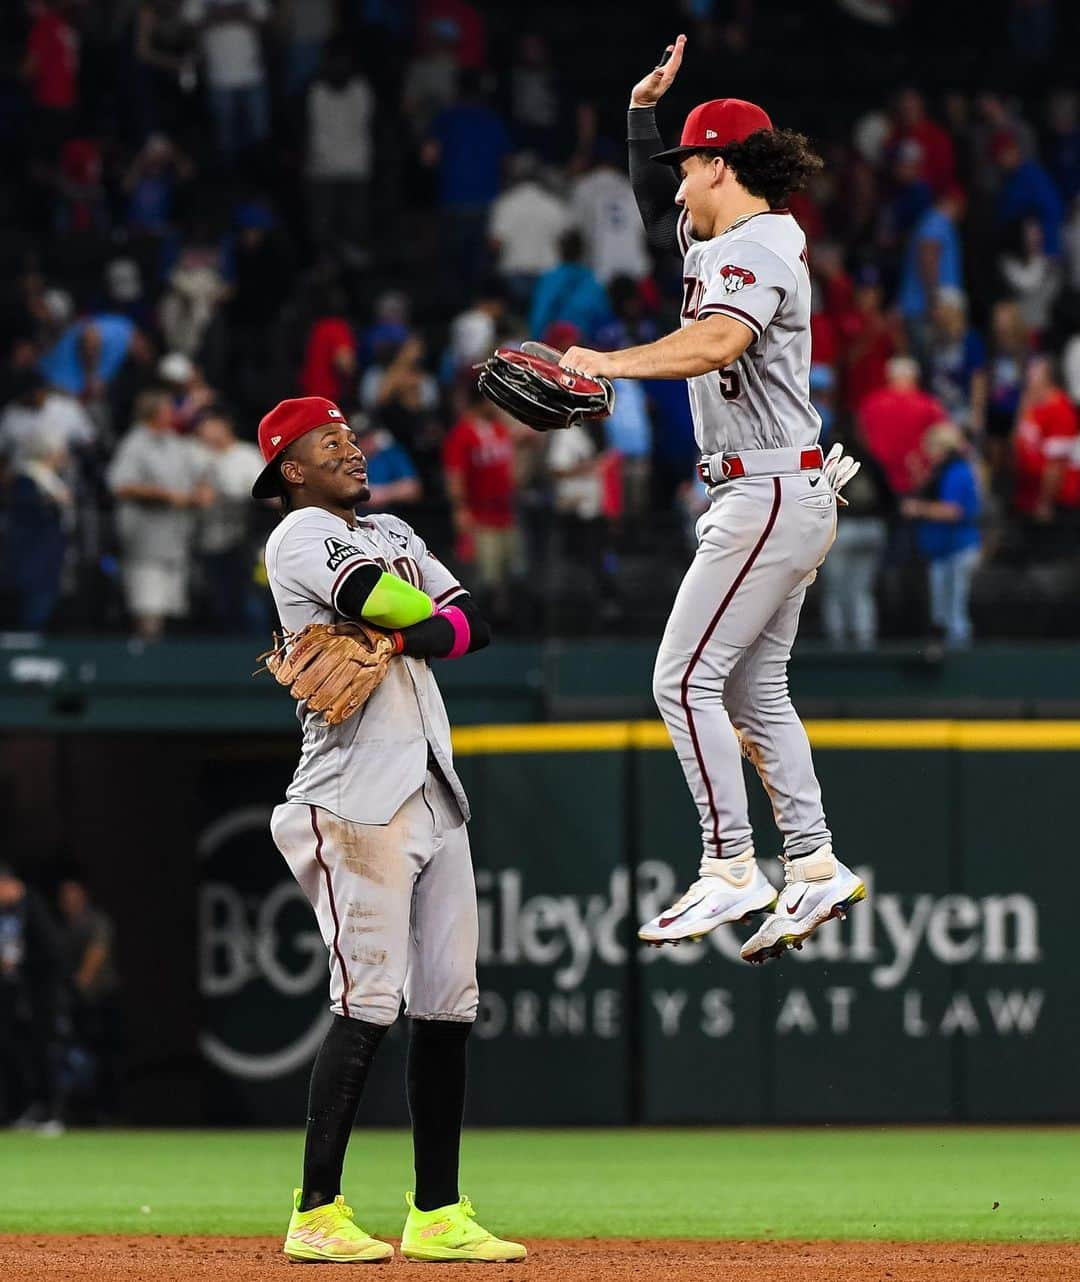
(722, 663)
(755, 272)
(364, 769)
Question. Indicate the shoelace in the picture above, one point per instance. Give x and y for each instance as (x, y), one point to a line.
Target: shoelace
(339, 1202)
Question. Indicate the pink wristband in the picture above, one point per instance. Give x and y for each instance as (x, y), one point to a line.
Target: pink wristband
(462, 631)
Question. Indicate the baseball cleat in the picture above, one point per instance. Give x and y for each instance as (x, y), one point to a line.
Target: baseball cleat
(817, 888)
(327, 1235)
(726, 890)
(451, 1233)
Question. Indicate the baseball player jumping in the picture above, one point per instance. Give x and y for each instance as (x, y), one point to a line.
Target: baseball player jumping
(744, 347)
(373, 829)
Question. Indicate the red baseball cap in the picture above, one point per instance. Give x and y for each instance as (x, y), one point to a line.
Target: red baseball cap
(287, 422)
(715, 124)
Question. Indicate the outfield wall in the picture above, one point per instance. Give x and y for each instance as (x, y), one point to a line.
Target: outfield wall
(952, 994)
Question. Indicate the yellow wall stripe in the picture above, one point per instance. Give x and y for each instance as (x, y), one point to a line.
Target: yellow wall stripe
(608, 736)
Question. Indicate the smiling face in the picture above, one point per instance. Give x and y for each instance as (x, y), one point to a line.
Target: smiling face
(326, 468)
(700, 177)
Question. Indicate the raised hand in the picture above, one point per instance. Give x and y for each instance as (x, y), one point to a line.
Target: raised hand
(651, 88)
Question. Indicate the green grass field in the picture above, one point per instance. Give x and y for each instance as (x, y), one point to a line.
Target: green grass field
(914, 1184)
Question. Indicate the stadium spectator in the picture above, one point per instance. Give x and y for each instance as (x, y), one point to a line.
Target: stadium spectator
(478, 455)
(603, 207)
(40, 519)
(935, 146)
(187, 387)
(392, 476)
(229, 36)
(534, 96)
(1010, 349)
(947, 510)
(1027, 191)
(151, 184)
(524, 228)
(163, 66)
(330, 363)
(1031, 275)
(400, 392)
(1063, 120)
(227, 470)
(933, 260)
(431, 78)
(849, 573)
(190, 311)
(570, 293)
(474, 332)
(468, 145)
(867, 339)
(307, 27)
(156, 477)
(51, 68)
(470, 34)
(86, 940)
(340, 157)
(30, 988)
(1044, 444)
(89, 355)
(893, 422)
(957, 362)
(37, 410)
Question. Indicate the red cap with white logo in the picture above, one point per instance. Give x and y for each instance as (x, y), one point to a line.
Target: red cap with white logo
(715, 124)
(287, 422)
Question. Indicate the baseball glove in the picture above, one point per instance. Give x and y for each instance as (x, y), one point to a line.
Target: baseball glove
(531, 386)
(336, 667)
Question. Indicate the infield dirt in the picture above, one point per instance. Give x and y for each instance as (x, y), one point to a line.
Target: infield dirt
(34, 1258)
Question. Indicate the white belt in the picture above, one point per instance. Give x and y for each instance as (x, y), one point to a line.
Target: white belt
(715, 469)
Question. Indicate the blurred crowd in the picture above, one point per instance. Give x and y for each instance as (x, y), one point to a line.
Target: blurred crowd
(60, 1038)
(212, 204)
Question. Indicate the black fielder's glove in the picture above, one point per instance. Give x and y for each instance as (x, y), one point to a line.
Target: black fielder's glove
(531, 386)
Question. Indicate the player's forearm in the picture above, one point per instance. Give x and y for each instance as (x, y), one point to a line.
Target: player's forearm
(383, 599)
(458, 629)
(684, 353)
(654, 185)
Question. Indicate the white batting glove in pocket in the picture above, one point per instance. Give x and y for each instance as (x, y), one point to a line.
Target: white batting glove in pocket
(838, 469)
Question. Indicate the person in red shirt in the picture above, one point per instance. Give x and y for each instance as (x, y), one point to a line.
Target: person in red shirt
(330, 363)
(51, 64)
(1046, 465)
(51, 69)
(868, 338)
(478, 457)
(938, 155)
(893, 422)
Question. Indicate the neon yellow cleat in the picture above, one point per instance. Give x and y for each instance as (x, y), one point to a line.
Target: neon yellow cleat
(451, 1233)
(327, 1234)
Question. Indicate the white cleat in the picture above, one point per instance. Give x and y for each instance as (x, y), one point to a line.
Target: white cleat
(726, 890)
(817, 888)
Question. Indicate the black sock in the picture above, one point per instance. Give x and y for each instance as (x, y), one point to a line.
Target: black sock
(337, 1080)
(436, 1078)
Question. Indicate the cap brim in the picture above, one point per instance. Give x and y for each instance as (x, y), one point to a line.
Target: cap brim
(673, 155)
(267, 483)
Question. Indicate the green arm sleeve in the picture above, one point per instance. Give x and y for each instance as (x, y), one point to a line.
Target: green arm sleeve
(393, 603)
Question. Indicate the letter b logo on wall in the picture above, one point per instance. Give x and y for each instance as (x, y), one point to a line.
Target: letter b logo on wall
(261, 961)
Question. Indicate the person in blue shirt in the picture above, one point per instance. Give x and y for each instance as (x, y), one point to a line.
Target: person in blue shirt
(570, 293)
(932, 261)
(1027, 191)
(948, 532)
(957, 362)
(392, 476)
(90, 353)
(468, 145)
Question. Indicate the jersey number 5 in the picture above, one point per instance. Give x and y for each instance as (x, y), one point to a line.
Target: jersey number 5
(730, 385)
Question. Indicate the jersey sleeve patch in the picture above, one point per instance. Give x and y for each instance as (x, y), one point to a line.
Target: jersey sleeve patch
(734, 278)
(338, 552)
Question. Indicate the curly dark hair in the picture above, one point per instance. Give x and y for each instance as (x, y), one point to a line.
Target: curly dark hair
(772, 163)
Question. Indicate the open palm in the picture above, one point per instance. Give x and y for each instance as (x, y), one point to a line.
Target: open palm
(651, 88)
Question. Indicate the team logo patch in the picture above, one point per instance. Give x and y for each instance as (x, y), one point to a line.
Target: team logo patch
(710, 133)
(736, 278)
(339, 552)
(275, 440)
(335, 413)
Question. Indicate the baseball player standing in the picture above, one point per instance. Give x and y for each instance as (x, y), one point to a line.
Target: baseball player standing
(373, 829)
(744, 347)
